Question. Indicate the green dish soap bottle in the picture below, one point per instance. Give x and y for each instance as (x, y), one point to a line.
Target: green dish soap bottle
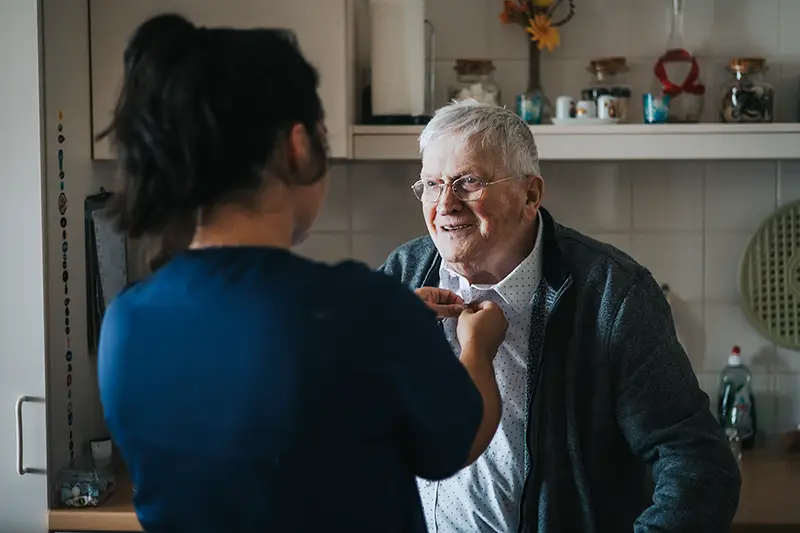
(736, 406)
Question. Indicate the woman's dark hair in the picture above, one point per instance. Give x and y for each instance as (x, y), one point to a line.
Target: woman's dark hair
(174, 239)
(202, 115)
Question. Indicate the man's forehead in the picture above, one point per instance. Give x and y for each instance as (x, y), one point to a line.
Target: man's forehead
(449, 156)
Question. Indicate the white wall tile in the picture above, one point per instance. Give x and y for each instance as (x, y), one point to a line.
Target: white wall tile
(505, 41)
(335, 215)
(742, 28)
(373, 249)
(787, 414)
(690, 329)
(512, 78)
(590, 197)
(599, 28)
(789, 37)
(648, 28)
(786, 90)
(444, 80)
(766, 400)
(713, 73)
(709, 382)
(789, 185)
(325, 247)
(723, 254)
(461, 28)
(620, 241)
(564, 76)
(739, 195)
(667, 195)
(675, 259)
(381, 197)
(787, 361)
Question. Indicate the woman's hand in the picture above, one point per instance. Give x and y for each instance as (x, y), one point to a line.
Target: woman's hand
(446, 304)
(483, 326)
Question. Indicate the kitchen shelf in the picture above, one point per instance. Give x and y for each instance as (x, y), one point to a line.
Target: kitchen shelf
(617, 142)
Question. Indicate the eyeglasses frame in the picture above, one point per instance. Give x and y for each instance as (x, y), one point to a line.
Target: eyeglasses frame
(444, 185)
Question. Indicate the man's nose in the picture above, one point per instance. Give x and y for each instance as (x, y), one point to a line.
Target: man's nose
(448, 201)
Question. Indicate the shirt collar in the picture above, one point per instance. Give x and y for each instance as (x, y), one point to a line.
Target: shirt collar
(519, 287)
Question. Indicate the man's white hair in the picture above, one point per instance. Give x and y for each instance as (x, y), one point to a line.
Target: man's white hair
(486, 127)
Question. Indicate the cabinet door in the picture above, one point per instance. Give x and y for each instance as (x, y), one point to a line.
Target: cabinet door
(322, 27)
(23, 506)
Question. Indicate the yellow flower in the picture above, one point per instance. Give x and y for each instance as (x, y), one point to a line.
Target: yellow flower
(543, 33)
(542, 3)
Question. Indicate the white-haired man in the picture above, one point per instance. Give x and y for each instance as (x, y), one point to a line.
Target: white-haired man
(597, 392)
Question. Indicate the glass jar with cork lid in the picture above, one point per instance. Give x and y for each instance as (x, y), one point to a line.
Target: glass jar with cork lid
(475, 82)
(607, 78)
(747, 96)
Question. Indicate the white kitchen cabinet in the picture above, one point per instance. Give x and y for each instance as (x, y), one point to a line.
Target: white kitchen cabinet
(23, 507)
(47, 170)
(324, 29)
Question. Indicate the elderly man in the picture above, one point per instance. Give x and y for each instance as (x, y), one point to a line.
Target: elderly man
(597, 392)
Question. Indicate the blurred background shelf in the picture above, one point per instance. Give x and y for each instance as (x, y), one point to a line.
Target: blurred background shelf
(619, 142)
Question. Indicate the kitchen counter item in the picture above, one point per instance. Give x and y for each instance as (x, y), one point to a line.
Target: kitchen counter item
(746, 96)
(115, 514)
(769, 277)
(655, 108)
(607, 78)
(474, 81)
(677, 74)
(401, 81)
(85, 483)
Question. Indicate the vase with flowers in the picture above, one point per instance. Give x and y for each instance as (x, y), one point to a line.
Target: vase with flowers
(541, 20)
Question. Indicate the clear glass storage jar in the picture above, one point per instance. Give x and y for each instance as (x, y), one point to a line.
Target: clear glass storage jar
(746, 96)
(475, 82)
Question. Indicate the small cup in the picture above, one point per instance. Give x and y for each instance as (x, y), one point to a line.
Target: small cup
(101, 450)
(656, 109)
(565, 107)
(607, 107)
(586, 109)
(529, 107)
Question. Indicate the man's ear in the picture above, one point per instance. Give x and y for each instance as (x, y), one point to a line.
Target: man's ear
(535, 191)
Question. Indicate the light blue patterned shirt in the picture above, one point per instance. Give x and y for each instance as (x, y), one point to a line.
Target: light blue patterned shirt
(485, 496)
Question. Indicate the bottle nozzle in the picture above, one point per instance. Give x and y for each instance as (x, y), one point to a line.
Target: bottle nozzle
(735, 358)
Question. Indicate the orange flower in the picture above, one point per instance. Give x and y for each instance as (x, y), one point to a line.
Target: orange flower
(543, 33)
(510, 8)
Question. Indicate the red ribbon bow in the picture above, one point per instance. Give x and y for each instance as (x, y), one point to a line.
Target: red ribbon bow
(690, 85)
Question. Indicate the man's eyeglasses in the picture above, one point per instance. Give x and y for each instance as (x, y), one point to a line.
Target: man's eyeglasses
(466, 188)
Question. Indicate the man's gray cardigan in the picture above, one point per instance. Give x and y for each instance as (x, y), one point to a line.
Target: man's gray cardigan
(614, 400)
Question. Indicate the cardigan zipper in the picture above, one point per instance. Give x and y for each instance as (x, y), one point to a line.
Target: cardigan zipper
(533, 449)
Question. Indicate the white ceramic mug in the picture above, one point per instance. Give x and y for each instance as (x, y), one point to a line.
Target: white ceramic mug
(565, 107)
(607, 107)
(586, 109)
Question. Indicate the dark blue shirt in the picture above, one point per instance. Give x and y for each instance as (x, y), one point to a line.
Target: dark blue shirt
(249, 389)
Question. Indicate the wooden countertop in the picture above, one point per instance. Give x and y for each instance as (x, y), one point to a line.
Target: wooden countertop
(770, 488)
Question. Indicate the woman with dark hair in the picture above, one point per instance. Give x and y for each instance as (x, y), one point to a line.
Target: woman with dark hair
(247, 388)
